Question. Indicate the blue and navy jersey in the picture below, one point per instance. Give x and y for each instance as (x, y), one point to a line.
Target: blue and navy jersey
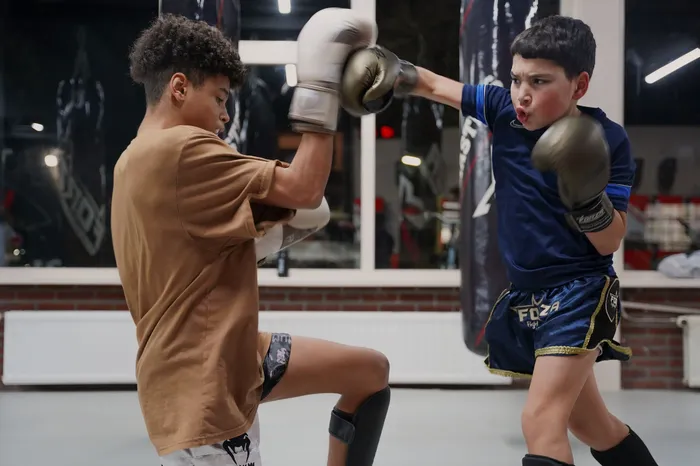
(538, 247)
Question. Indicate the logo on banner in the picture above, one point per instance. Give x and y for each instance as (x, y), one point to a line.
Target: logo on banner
(470, 129)
(84, 214)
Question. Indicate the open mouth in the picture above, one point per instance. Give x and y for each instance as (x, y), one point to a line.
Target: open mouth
(521, 115)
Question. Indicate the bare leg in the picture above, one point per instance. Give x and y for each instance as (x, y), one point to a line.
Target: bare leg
(612, 442)
(320, 366)
(556, 384)
(592, 423)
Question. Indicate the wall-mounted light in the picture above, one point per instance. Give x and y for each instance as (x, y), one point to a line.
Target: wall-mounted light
(38, 127)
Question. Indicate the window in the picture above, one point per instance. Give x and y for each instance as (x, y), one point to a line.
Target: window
(264, 105)
(417, 148)
(418, 162)
(268, 20)
(280, 19)
(68, 102)
(69, 107)
(661, 119)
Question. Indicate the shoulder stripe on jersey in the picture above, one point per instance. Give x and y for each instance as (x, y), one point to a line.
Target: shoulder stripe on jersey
(619, 190)
(481, 103)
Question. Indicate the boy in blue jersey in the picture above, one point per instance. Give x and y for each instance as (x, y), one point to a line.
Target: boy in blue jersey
(563, 178)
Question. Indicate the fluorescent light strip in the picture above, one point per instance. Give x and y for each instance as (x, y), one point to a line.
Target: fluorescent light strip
(675, 65)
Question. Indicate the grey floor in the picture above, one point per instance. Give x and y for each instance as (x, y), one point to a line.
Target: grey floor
(424, 427)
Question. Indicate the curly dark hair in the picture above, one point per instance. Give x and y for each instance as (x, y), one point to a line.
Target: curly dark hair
(566, 41)
(174, 44)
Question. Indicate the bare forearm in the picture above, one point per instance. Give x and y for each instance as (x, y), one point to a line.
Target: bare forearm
(312, 165)
(608, 241)
(302, 184)
(438, 88)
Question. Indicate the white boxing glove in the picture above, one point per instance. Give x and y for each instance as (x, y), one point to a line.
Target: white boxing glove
(323, 46)
(304, 223)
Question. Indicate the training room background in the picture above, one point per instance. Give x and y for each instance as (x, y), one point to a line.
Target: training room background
(383, 273)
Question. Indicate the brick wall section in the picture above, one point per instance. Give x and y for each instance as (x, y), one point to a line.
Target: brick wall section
(658, 352)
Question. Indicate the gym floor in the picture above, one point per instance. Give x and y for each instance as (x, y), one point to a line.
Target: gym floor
(424, 427)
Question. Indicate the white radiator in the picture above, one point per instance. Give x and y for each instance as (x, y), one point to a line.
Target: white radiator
(99, 347)
(691, 349)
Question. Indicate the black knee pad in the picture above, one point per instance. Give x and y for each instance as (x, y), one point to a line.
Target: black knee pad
(361, 431)
(630, 452)
(536, 460)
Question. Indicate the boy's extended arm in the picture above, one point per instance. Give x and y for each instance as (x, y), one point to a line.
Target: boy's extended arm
(438, 88)
(374, 76)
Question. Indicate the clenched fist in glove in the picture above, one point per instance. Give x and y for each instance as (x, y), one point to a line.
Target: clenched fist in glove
(372, 78)
(575, 148)
(323, 46)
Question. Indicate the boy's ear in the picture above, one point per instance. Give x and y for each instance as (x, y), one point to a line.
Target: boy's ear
(582, 82)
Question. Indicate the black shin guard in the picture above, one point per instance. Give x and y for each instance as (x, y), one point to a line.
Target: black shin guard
(536, 460)
(361, 431)
(630, 452)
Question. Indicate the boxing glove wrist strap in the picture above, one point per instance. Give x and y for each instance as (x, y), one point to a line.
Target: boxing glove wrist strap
(592, 217)
(314, 108)
(408, 79)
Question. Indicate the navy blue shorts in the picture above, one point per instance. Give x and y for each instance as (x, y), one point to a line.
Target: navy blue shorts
(575, 318)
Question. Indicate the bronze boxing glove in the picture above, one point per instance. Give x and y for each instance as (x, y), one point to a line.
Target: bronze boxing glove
(372, 78)
(576, 149)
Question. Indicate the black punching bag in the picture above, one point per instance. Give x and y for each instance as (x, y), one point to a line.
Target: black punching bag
(80, 176)
(487, 30)
(226, 16)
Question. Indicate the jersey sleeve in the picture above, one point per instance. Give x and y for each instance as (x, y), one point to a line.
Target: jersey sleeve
(484, 102)
(217, 189)
(622, 172)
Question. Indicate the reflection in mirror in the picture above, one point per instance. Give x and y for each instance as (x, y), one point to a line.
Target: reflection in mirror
(69, 108)
(263, 104)
(417, 164)
(661, 120)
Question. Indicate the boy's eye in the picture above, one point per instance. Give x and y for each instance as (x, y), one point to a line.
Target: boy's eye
(219, 100)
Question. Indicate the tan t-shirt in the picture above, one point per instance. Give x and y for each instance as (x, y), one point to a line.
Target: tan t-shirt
(183, 226)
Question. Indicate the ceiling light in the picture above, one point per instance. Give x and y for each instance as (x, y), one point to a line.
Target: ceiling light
(285, 6)
(411, 160)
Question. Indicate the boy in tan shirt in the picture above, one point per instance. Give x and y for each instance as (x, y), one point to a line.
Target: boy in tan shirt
(191, 218)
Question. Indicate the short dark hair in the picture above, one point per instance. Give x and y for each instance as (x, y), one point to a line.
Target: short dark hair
(566, 41)
(174, 44)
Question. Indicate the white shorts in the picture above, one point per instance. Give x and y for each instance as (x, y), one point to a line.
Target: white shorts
(243, 450)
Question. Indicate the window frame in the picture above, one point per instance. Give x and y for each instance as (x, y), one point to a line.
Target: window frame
(284, 52)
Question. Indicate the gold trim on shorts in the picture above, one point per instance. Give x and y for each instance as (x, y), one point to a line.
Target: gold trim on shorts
(575, 350)
(511, 374)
